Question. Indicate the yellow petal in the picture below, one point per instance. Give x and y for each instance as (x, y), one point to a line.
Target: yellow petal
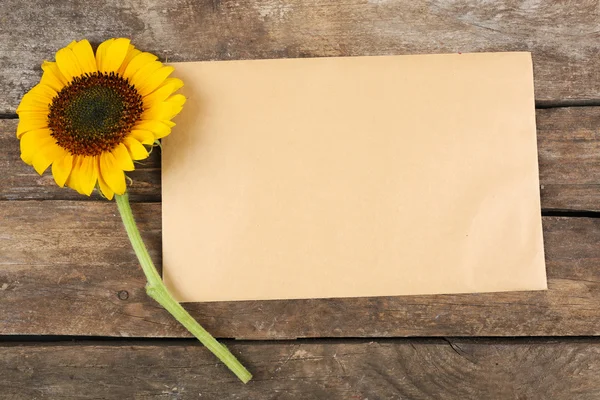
(38, 98)
(46, 156)
(52, 76)
(32, 103)
(88, 174)
(153, 80)
(85, 56)
(158, 128)
(32, 142)
(113, 176)
(61, 168)
(29, 121)
(169, 86)
(106, 190)
(177, 100)
(43, 92)
(144, 137)
(140, 78)
(101, 52)
(68, 64)
(123, 158)
(131, 52)
(73, 179)
(25, 115)
(160, 135)
(175, 82)
(160, 112)
(136, 149)
(33, 115)
(138, 62)
(49, 79)
(114, 55)
(170, 124)
(153, 126)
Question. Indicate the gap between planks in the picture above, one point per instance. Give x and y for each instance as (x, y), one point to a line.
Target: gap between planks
(65, 340)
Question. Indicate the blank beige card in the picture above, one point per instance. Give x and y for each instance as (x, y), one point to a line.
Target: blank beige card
(358, 176)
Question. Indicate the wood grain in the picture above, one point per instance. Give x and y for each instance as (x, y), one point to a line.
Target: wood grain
(569, 144)
(389, 369)
(562, 37)
(67, 269)
(568, 149)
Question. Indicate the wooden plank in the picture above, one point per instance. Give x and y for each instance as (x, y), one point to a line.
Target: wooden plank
(569, 144)
(390, 369)
(67, 269)
(563, 39)
(568, 149)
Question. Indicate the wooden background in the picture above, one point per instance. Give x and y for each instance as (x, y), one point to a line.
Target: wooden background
(74, 318)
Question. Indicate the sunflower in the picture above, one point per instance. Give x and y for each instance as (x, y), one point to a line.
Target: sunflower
(92, 115)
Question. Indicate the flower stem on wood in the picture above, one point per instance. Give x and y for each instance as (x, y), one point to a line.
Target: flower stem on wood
(156, 289)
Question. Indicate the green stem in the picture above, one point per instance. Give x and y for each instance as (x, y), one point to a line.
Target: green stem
(158, 291)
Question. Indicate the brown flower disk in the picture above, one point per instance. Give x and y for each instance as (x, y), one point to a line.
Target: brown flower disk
(94, 113)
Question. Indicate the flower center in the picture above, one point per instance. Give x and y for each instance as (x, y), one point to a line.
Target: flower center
(94, 113)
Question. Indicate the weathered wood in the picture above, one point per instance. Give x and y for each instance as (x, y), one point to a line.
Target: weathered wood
(66, 268)
(563, 37)
(569, 144)
(568, 151)
(389, 369)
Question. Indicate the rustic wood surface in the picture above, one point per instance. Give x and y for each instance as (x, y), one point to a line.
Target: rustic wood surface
(569, 144)
(380, 370)
(562, 35)
(66, 267)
